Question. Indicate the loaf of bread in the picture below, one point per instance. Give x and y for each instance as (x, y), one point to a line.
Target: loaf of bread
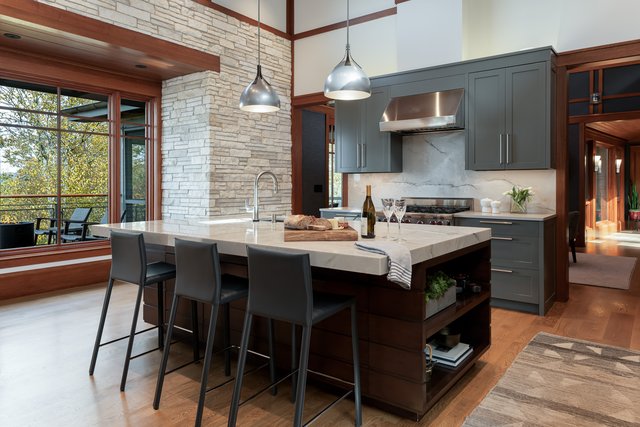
(306, 222)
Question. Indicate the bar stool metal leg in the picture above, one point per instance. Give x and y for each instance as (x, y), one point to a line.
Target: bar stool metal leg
(207, 363)
(165, 353)
(242, 359)
(132, 335)
(227, 339)
(195, 331)
(103, 317)
(302, 374)
(294, 362)
(272, 357)
(160, 290)
(356, 366)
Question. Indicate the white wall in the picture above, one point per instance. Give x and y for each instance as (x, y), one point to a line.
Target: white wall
(429, 32)
(272, 12)
(310, 14)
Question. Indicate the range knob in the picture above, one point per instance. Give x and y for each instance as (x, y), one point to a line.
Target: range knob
(420, 221)
(432, 222)
(394, 219)
(406, 220)
(439, 222)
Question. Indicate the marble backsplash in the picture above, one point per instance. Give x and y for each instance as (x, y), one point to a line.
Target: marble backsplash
(433, 166)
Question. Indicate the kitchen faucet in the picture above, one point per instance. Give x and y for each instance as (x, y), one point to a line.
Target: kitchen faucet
(256, 208)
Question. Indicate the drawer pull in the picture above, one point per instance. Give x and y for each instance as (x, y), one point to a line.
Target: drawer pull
(502, 238)
(501, 270)
(497, 222)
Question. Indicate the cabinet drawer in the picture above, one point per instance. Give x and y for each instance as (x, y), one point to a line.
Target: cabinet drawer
(502, 227)
(518, 251)
(514, 284)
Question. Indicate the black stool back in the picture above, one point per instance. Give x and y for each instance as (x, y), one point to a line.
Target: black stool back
(128, 257)
(280, 288)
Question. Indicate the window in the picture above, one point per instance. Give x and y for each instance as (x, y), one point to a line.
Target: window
(55, 173)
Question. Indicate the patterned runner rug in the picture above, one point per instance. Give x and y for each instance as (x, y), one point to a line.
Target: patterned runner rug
(557, 381)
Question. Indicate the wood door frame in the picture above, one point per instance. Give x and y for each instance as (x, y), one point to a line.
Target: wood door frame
(581, 59)
(314, 102)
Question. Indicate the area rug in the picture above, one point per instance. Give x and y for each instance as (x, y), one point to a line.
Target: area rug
(557, 381)
(602, 270)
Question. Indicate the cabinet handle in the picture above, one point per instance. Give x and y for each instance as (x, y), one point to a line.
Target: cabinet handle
(497, 222)
(502, 238)
(507, 156)
(500, 148)
(501, 270)
(364, 155)
(357, 155)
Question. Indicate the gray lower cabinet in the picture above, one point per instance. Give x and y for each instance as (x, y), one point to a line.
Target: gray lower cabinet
(361, 147)
(523, 262)
(510, 118)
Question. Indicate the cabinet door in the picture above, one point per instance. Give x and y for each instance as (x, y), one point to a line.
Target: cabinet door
(486, 111)
(382, 151)
(349, 135)
(527, 117)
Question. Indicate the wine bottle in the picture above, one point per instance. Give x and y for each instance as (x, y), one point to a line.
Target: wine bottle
(367, 226)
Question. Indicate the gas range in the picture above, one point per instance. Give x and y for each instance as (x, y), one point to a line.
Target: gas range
(431, 210)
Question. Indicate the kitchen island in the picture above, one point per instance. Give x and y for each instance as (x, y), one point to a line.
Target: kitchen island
(392, 321)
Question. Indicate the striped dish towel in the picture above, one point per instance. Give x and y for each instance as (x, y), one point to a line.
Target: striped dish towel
(399, 258)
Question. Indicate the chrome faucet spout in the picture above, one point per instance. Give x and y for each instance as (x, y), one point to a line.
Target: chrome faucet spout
(256, 208)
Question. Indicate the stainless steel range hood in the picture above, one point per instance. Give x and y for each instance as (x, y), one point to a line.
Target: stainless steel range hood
(426, 112)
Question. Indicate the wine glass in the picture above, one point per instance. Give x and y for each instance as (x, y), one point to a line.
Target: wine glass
(399, 208)
(387, 209)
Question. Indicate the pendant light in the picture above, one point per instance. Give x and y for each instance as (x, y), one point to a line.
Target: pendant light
(347, 81)
(259, 96)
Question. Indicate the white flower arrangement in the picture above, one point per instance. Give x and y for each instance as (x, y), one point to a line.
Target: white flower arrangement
(520, 196)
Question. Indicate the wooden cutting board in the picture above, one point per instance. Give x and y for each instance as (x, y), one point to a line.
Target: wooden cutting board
(347, 234)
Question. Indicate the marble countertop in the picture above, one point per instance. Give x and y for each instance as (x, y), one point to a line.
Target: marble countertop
(233, 234)
(506, 215)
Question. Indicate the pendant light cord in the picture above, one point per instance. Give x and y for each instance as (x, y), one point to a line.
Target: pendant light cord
(258, 32)
(347, 24)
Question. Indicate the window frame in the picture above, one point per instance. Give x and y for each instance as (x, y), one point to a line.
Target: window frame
(50, 72)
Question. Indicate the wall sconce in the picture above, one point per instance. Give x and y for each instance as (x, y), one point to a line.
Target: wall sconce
(597, 162)
(618, 164)
(595, 98)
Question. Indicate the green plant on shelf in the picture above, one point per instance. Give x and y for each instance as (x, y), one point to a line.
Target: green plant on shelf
(437, 286)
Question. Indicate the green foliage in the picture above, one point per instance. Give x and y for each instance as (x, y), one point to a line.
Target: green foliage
(632, 198)
(437, 285)
(29, 157)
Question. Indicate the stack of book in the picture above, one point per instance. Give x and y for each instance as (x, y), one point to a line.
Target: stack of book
(449, 357)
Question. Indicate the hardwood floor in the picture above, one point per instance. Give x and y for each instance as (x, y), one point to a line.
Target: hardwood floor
(46, 342)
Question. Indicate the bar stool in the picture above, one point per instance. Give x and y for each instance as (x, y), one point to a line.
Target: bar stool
(129, 264)
(198, 278)
(280, 288)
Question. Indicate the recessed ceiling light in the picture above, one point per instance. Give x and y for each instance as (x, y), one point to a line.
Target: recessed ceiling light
(12, 36)
(141, 66)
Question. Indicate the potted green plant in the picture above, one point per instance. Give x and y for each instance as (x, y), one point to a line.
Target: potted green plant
(440, 293)
(634, 208)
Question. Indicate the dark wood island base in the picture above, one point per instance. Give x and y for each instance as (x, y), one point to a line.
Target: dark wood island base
(392, 327)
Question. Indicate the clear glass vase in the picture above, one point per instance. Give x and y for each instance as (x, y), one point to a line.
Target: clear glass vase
(518, 207)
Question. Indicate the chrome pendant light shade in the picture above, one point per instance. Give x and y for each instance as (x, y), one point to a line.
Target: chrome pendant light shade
(347, 81)
(259, 96)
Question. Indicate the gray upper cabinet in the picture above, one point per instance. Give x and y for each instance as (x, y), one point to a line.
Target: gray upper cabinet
(509, 114)
(349, 135)
(361, 147)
